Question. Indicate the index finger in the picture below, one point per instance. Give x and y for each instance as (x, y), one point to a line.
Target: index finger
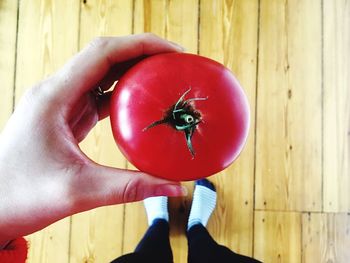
(88, 67)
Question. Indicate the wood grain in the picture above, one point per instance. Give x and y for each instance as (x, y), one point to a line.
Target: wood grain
(233, 26)
(336, 142)
(47, 37)
(277, 237)
(8, 31)
(97, 236)
(51, 244)
(182, 28)
(149, 16)
(325, 237)
(292, 59)
(289, 107)
(177, 21)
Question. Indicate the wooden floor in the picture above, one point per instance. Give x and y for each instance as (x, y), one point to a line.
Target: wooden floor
(287, 198)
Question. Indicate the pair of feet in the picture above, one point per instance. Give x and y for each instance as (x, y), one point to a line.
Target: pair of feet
(203, 205)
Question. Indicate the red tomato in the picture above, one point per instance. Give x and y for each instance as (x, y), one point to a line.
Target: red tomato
(179, 116)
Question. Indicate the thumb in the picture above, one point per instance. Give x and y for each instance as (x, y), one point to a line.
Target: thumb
(104, 185)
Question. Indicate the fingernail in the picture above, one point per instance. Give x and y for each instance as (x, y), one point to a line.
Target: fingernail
(177, 46)
(171, 190)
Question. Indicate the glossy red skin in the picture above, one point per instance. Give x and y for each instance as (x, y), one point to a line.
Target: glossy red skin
(151, 87)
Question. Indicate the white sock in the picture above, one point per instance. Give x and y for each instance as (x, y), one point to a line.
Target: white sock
(156, 208)
(203, 204)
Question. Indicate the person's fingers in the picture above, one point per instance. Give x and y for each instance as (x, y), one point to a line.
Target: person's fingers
(101, 185)
(103, 100)
(116, 71)
(85, 70)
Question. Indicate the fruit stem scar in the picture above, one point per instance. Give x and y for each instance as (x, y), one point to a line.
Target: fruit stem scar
(182, 117)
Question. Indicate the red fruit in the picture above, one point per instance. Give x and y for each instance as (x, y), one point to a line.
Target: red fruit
(179, 116)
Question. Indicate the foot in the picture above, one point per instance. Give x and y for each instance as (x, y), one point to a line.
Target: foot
(203, 204)
(156, 208)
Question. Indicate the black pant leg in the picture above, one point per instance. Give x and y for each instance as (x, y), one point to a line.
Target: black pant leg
(156, 241)
(202, 248)
(154, 246)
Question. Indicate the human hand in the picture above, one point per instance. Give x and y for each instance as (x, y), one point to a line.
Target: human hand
(44, 176)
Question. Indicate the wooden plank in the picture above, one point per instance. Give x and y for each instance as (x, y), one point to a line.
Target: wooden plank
(289, 107)
(277, 236)
(149, 16)
(325, 237)
(336, 106)
(47, 37)
(182, 27)
(242, 241)
(182, 24)
(98, 235)
(176, 21)
(8, 32)
(50, 244)
(233, 25)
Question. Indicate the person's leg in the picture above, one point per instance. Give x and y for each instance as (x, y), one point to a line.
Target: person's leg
(155, 245)
(155, 242)
(201, 246)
